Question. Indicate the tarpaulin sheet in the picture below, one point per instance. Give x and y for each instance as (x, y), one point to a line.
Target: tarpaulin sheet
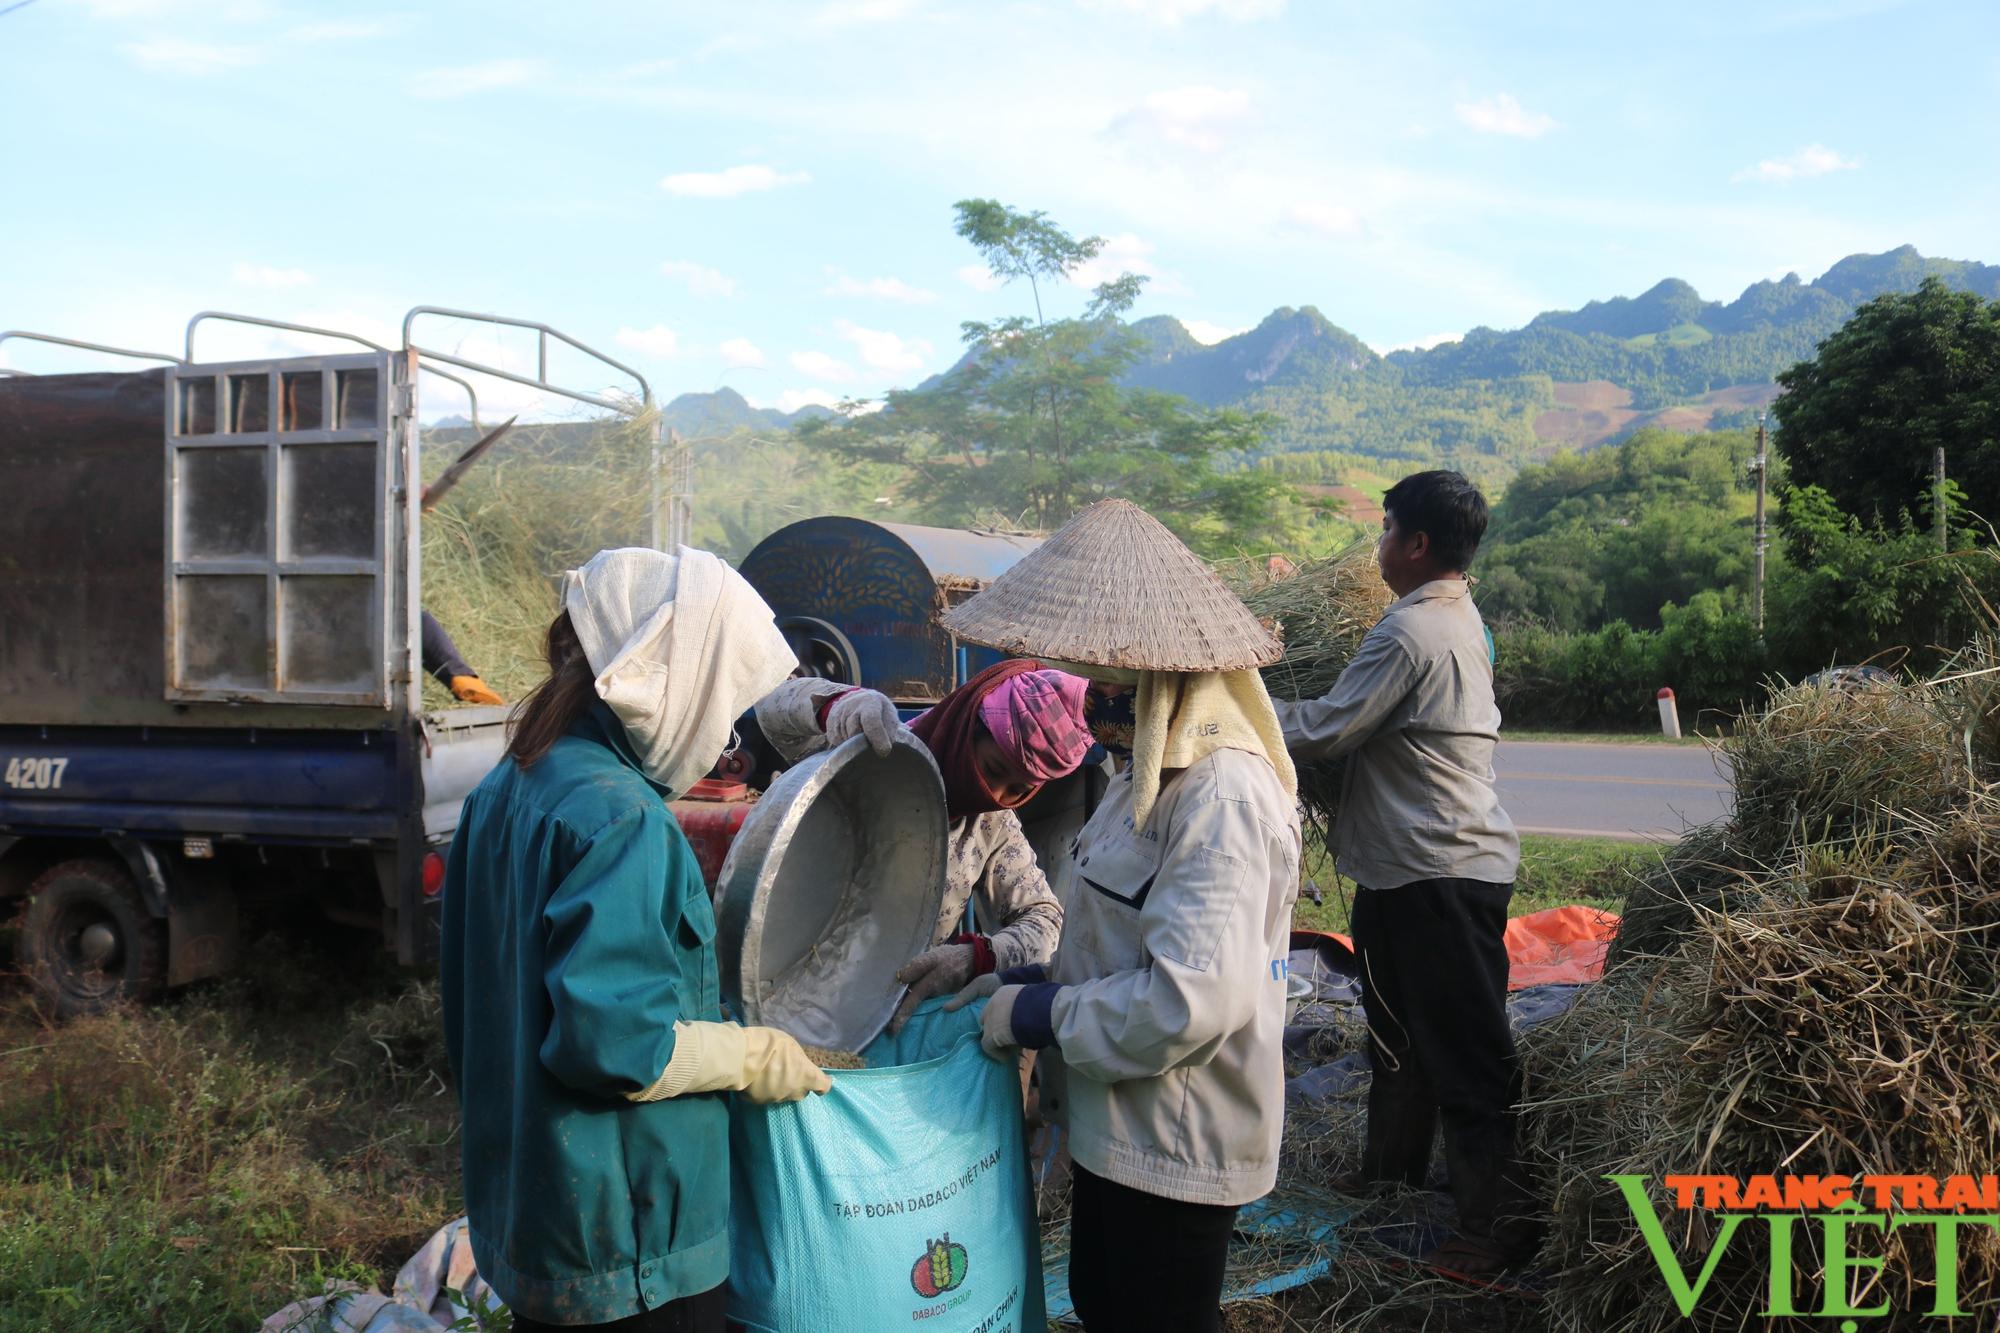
(1555, 946)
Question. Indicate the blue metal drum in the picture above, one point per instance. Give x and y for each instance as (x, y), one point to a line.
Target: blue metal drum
(859, 600)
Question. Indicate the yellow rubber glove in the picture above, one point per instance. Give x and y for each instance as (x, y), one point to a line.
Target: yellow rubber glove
(473, 690)
(764, 1064)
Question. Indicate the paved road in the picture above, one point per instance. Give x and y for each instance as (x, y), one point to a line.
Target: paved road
(1609, 790)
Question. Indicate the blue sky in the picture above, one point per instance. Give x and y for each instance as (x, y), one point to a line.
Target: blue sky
(759, 194)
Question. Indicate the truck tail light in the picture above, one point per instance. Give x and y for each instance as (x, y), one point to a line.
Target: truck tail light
(433, 874)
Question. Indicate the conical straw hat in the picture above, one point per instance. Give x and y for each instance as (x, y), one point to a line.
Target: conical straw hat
(1114, 588)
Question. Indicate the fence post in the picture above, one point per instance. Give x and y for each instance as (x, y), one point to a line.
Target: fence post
(1670, 718)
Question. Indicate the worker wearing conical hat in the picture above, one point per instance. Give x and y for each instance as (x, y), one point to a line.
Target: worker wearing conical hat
(1160, 1021)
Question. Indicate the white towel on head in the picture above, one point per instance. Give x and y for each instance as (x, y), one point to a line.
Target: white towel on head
(681, 646)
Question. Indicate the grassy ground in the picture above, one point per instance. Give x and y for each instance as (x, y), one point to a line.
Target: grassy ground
(1554, 872)
(193, 1167)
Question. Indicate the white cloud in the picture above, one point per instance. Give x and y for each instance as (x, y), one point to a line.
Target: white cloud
(658, 342)
(1815, 159)
(1206, 333)
(700, 279)
(980, 278)
(885, 289)
(850, 13)
(1172, 12)
(466, 80)
(730, 182)
(791, 400)
(337, 31)
(822, 367)
(741, 352)
(266, 277)
(241, 11)
(1501, 114)
(1423, 344)
(1123, 253)
(645, 69)
(1197, 117)
(170, 55)
(883, 350)
(1327, 219)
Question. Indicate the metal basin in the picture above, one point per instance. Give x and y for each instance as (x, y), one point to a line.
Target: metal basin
(835, 881)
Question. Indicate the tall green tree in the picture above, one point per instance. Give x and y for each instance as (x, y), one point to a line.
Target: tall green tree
(1035, 422)
(1909, 373)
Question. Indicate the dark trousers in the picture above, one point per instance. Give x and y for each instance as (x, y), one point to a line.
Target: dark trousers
(1142, 1263)
(690, 1314)
(1433, 958)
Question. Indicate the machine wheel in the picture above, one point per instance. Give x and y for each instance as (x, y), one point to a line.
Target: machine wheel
(822, 649)
(87, 939)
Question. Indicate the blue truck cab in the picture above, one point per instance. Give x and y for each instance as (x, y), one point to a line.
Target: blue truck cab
(210, 682)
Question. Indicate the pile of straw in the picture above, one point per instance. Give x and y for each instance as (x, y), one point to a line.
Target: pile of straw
(1322, 611)
(1812, 987)
(545, 499)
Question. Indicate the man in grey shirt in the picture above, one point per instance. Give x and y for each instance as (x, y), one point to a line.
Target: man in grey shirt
(1422, 835)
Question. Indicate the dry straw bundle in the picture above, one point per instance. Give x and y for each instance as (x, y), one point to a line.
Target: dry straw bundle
(1322, 609)
(1810, 988)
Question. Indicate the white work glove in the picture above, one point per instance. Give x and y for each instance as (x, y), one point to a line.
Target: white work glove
(980, 988)
(996, 1025)
(863, 713)
(933, 972)
(764, 1064)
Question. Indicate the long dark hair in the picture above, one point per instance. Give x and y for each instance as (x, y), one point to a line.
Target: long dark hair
(545, 713)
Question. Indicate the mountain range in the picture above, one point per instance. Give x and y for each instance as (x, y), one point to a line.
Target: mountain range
(1494, 398)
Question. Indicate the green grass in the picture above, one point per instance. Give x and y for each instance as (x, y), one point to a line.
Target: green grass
(1555, 872)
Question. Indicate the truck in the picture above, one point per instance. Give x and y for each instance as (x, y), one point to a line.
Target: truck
(210, 675)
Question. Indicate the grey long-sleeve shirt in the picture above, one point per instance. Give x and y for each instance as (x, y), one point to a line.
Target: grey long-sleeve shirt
(1414, 713)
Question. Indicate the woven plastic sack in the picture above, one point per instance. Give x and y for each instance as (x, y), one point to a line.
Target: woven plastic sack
(900, 1199)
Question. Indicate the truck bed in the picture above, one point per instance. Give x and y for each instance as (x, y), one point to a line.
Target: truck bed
(320, 786)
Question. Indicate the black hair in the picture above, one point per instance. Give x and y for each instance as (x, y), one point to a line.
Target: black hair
(1445, 507)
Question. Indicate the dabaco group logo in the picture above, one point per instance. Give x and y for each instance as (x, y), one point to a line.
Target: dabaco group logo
(939, 1269)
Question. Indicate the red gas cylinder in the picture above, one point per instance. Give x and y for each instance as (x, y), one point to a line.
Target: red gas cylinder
(711, 815)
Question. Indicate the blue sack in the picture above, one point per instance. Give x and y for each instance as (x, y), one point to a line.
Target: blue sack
(899, 1199)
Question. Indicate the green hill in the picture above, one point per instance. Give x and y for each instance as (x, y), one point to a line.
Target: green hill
(1494, 399)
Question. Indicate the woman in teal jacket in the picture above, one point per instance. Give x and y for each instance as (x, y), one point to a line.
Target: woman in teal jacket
(579, 971)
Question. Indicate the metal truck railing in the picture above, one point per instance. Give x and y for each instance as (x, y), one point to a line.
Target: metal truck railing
(672, 511)
(671, 520)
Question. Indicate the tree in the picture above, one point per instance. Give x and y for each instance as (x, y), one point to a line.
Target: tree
(1909, 373)
(1035, 421)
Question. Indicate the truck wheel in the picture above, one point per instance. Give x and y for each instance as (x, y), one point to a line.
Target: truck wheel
(88, 940)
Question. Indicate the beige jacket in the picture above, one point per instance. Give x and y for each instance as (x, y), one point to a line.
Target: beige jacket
(1414, 713)
(987, 855)
(1169, 1027)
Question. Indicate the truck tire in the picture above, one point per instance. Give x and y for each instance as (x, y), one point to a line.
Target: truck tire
(88, 941)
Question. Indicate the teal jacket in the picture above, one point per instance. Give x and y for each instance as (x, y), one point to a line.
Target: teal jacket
(576, 931)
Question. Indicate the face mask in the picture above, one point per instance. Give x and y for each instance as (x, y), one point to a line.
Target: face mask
(1112, 720)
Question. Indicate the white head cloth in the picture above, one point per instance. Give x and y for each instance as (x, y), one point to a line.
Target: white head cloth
(681, 646)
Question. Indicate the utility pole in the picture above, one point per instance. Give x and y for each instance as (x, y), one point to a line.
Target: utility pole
(1758, 544)
(1937, 499)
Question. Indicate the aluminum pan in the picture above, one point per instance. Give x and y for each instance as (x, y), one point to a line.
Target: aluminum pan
(835, 881)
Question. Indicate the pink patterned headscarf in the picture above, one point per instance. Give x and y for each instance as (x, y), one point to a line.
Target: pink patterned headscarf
(1037, 718)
